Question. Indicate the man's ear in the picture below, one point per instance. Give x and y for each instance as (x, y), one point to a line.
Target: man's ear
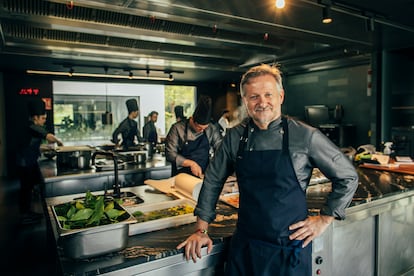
(282, 96)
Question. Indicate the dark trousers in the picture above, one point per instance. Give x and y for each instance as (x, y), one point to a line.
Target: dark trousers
(29, 177)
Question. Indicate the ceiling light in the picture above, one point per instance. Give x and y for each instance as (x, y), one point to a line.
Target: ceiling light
(93, 75)
(326, 15)
(280, 4)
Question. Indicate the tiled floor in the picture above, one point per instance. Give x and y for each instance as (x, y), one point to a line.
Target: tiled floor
(24, 248)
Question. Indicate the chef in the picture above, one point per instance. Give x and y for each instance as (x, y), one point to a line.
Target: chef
(128, 128)
(150, 130)
(191, 143)
(273, 157)
(27, 158)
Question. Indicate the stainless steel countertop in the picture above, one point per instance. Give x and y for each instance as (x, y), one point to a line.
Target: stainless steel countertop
(51, 173)
(376, 188)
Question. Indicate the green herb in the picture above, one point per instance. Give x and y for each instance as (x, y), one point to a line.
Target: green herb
(89, 211)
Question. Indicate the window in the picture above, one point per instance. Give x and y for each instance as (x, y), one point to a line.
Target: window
(78, 108)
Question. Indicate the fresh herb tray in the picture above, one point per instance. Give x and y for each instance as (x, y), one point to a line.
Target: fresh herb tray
(89, 212)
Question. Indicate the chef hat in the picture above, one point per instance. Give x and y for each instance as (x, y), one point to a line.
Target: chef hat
(132, 105)
(202, 113)
(37, 107)
(179, 111)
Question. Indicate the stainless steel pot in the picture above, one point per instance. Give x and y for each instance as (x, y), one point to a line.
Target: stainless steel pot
(137, 157)
(73, 157)
(140, 158)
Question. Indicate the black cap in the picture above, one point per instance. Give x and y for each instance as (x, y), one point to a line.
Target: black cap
(179, 111)
(202, 112)
(37, 107)
(132, 105)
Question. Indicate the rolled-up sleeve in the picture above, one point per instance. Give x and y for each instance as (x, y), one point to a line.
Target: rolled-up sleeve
(339, 169)
(220, 167)
(173, 143)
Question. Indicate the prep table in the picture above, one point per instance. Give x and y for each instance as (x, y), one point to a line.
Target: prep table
(375, 239)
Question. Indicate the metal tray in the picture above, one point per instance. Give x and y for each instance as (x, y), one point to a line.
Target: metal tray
(128, 218)
(93, 242)
(96, 240)
(163, 223)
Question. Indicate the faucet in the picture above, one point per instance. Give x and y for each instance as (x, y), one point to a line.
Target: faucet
(116, 186)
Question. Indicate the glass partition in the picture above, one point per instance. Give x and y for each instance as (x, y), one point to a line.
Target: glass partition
(79, 107)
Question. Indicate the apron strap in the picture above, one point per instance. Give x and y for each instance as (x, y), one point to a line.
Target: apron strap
(285, 147)
(243, 141)
(245, 137)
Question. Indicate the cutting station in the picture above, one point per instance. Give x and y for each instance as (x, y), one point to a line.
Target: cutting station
(136, 245)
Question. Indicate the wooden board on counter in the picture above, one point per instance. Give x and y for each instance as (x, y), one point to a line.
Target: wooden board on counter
(397, 168)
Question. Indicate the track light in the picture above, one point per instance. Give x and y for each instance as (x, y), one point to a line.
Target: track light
(71, 72)
(130, 75)
(326, 15)
(93, 75)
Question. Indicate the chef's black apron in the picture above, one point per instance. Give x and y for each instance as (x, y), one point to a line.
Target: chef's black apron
(197, 150)
(271, 199)
(128, 140)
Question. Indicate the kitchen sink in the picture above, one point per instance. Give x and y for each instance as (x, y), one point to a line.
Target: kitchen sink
(128, 198)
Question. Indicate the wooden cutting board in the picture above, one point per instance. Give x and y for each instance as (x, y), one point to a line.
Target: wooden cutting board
(401, 168)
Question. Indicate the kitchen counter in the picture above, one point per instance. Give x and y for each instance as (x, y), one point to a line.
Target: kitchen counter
(151, 253)
(72, 181)
(51, 173)
(383, 199)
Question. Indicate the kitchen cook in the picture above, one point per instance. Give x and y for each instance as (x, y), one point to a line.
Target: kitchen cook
(27, 158)
(190, 143)
(128, 128)
(273, 157)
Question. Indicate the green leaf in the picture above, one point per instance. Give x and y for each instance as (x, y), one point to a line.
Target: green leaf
(72, 210)
(114, 213)
(110, 205)
(97, 212)
(82, 214)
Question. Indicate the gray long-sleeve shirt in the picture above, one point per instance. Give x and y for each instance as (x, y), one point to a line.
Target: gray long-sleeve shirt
(176, 138)
(308, 148)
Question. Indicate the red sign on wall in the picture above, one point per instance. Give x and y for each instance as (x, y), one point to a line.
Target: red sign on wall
(29, 91)
(48, 103)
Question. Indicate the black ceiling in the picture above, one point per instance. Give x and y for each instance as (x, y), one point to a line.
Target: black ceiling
(198, 40)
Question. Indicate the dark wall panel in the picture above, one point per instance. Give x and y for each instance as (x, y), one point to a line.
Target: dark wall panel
(344, 86)
(19, 91)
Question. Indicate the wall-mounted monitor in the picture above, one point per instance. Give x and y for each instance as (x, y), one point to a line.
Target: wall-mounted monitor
(316, 115)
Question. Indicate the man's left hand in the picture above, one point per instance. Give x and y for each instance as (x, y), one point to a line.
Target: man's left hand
(310, 228)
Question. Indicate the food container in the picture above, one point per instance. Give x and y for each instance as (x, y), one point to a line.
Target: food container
(161, 223)
(96, 240)
(73, 157)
